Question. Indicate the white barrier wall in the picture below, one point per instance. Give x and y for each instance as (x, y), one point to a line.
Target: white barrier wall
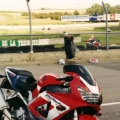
(7, 43)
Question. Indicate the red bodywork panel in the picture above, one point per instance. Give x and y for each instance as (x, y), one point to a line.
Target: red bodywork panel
(46, 80)
(86, 117)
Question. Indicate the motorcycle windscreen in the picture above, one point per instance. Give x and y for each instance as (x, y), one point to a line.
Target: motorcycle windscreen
(82, 71)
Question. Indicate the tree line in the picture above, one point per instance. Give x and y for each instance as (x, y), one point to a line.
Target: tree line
(94, 9)
(98, 9)
(53, 16)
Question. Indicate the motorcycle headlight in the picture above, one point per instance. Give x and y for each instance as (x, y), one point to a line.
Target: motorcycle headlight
(88, 96)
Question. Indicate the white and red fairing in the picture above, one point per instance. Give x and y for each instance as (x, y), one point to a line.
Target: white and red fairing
(69, 101)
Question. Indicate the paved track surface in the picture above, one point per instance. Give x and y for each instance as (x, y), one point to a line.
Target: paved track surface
(106, 74)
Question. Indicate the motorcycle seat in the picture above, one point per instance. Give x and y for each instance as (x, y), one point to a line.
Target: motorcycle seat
(21, 72)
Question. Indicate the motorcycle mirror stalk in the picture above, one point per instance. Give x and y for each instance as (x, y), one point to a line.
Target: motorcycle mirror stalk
(67, 78)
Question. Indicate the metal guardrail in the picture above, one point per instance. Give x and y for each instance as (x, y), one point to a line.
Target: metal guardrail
(80, 33)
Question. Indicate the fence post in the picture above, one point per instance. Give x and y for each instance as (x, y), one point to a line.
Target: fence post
(30, 24)
(106, 11)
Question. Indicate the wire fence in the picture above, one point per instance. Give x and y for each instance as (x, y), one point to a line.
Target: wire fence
(55, 42)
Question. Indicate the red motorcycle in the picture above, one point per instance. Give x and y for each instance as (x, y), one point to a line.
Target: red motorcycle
(74, 97)
(93, 44)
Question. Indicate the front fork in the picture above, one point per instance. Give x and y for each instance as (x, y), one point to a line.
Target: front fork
(83, 116)
(7, 114)
(75, 115)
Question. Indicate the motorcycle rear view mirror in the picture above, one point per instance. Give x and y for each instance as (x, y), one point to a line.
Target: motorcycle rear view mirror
(2, 76)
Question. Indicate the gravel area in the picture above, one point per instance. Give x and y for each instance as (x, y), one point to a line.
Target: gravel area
(53, 57)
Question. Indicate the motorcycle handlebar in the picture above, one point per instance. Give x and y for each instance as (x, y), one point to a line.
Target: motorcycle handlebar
(67, 78)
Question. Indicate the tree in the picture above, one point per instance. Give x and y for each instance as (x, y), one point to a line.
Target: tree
(42, 8)
(66, 13)
(57, 17)
(108, 8)
(76, 12)
(117, 10)
(52, 17)
(95, 9)
(98, 9)
(25, 14)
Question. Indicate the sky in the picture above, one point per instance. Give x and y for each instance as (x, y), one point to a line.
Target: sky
(59, 4)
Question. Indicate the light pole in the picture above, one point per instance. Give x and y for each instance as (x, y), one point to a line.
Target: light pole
(30, 24)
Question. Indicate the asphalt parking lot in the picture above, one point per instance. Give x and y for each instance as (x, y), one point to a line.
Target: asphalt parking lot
(106, 74)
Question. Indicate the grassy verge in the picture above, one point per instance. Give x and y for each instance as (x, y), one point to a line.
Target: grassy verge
(39, 34)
